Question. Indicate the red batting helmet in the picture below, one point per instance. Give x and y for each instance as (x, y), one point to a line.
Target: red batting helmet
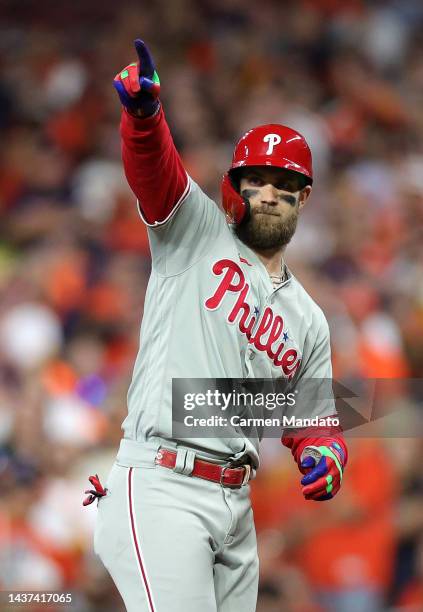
(266, 145)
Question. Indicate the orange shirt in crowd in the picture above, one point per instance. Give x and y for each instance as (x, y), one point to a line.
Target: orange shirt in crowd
(342, 543)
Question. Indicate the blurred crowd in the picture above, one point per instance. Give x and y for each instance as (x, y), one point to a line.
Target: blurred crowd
(74, 264)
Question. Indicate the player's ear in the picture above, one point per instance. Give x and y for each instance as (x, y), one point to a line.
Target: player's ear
(304, 195)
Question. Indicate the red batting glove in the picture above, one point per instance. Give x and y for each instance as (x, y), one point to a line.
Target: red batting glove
(138, 84)
(96, 493)
(323, 480)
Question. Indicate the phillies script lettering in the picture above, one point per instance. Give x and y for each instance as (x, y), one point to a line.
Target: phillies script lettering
(233, 281)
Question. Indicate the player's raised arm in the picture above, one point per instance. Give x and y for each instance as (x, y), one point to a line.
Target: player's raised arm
(152, 164)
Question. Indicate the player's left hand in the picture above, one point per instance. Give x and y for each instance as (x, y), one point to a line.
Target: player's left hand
(323, 481)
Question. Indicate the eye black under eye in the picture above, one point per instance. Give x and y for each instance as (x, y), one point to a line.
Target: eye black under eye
(286, 186)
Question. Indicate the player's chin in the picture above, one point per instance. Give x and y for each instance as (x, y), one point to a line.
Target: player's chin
(271, 232)
(265, 231)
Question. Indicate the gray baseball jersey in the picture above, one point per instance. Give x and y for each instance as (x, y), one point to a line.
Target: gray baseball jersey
(170, 541)
(211, 311)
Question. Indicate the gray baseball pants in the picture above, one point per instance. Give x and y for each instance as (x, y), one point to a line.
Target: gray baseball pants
(176, 543)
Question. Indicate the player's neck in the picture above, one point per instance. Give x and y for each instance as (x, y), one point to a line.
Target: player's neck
(271, 259)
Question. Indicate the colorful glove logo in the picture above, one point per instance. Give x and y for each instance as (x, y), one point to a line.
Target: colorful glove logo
(323, 481)
(138, 85)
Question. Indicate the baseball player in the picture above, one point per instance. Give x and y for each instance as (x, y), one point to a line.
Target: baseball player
(175, 526)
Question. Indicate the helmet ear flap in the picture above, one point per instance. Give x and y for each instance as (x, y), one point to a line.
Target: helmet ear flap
(237, 208)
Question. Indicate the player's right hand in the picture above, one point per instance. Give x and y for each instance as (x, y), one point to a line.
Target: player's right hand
(324, 476)
(138, 84)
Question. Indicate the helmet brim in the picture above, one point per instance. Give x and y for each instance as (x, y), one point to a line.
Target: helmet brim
(283, 164)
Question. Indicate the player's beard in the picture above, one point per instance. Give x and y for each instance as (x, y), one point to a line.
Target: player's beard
(268, 231)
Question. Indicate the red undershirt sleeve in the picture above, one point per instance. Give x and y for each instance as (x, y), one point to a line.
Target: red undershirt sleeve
(153, 167)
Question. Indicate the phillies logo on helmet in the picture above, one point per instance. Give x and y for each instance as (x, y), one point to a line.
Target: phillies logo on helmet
(273, 140)
(257, 148)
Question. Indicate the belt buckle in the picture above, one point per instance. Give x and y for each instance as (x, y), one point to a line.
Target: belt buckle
(222, 475)
(247, 474)
(245, 480)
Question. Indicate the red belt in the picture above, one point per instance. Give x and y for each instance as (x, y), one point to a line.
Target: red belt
(226, 476)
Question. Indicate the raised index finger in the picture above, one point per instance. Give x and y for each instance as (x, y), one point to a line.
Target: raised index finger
(146, 61)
